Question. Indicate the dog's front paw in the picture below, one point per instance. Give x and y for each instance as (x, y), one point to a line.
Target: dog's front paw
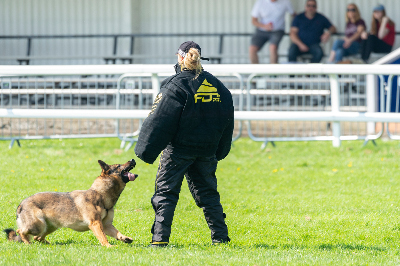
(127, 240)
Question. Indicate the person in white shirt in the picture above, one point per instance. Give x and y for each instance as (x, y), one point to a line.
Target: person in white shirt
(269, 18)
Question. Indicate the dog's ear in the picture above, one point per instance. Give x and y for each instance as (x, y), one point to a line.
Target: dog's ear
(103, 165)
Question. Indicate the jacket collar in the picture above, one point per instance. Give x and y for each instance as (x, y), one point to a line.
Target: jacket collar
(177, 68)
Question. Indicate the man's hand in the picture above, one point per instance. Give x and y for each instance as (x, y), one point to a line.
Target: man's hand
(268, 27)
(325, 37)
(304, 48)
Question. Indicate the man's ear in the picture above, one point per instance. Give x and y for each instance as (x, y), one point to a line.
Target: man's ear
(103, 165)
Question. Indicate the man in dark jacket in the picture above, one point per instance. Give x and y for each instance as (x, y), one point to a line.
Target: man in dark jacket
(191, 122)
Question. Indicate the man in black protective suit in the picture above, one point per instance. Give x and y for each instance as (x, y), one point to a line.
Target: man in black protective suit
(191, 122)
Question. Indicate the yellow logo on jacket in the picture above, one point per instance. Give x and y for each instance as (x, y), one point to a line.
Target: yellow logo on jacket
(207, 93)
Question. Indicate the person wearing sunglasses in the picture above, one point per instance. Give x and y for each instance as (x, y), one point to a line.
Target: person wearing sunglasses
(308, 30)
(381, 36)
(351, 43)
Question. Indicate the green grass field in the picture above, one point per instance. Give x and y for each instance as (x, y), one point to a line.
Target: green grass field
(301, 203)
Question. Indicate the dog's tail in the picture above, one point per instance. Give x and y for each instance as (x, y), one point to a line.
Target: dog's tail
(12, 235)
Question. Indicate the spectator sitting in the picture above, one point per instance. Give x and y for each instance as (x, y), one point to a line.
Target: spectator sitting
(381, 37)
(269, 18)
(351, 43)
(307, 32)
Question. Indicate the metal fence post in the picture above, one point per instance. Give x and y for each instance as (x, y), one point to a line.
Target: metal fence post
(155, 83)
(372, 101)
(335, 102)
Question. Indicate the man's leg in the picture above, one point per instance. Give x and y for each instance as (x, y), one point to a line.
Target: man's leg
(275, 39)
(257, 42)
(316, 52)
(294, 51)
(253, 50)
(169, 178)
(203, 186)
(273, 53)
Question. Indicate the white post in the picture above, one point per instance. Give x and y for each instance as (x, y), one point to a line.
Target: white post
(155, 83)
(371, 100)
(335, 102)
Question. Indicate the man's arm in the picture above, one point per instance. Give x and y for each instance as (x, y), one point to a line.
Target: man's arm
(294, 37)
(256, 23)
(327, 34)
(332, 29)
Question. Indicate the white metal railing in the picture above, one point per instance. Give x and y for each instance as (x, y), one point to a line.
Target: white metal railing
(154, 71)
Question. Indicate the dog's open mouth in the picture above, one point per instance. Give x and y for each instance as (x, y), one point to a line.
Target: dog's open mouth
(130, 176)
(126, 175)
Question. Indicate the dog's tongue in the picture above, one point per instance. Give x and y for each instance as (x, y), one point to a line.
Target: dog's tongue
(131, 176)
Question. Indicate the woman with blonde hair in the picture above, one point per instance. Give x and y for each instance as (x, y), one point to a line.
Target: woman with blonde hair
(351, 43)
(381, 37)
(191, 123)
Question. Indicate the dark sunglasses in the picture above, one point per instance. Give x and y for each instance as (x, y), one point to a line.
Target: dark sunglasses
(351, 10)
(313, 6)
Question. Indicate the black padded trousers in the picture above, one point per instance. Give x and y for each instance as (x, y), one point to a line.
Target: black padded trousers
(200, 175)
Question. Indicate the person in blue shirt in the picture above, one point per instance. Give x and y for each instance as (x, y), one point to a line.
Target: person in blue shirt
(308, 30)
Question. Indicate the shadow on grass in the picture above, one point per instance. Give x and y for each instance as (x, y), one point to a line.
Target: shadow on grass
(326, 247)
(351, 247)
(322, 247)
(77, 242)
(67, 242)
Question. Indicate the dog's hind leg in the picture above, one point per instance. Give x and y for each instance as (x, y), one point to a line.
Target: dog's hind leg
(42, 237)
(47, 231)
(31, 223)
(97, 228)
(24, 236)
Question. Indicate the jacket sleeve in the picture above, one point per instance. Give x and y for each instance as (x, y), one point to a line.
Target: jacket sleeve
(160, 126)
(225, 143)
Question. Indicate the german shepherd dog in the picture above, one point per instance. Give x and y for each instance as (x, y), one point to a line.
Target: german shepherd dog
(81, 210)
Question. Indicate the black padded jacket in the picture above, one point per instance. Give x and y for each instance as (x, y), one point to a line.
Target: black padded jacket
(193, 116)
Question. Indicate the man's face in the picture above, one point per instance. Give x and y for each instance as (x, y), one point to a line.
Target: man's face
(311, 7)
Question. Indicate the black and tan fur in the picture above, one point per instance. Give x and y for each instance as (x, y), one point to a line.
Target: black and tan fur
(80, 210)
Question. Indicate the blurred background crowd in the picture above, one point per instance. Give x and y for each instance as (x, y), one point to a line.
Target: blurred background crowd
(147, 31)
